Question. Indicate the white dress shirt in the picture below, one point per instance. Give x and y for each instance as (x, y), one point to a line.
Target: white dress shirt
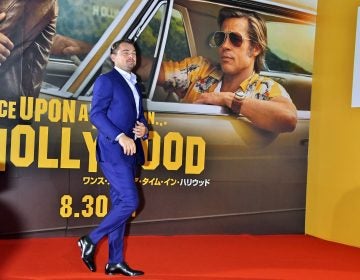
(130, 78)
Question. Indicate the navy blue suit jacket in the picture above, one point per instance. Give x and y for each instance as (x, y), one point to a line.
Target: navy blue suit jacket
(113, 111)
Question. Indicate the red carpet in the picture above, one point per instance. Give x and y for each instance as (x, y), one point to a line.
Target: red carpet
(187, 257)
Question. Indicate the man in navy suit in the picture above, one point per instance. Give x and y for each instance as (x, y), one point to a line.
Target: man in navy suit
(118, 115)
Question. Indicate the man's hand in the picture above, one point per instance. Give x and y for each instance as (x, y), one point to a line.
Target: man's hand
(139, 130)
(63, 45)
(5, 43)
(127, 144)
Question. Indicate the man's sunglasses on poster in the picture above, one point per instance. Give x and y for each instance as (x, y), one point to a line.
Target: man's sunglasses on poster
(218, 38)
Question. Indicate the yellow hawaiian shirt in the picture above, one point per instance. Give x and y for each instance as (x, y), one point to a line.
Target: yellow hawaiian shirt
(195, 75)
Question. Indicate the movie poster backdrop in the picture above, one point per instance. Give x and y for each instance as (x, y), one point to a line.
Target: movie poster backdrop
(206, 170)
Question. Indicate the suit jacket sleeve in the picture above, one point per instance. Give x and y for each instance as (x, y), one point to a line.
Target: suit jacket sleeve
(102, 97)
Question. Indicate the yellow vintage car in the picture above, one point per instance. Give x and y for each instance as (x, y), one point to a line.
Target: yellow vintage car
(206, 170)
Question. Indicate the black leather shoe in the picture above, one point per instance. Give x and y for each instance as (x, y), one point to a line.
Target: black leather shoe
(87, 252)
(121, 268)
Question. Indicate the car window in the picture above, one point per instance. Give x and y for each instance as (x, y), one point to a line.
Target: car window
(285, 58)
(286, 45)
(176, 47)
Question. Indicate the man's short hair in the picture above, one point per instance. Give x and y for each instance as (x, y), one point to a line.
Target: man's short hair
(257, 31)
(116, 44)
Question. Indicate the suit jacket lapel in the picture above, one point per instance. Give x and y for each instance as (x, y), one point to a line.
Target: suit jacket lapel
(139, 92)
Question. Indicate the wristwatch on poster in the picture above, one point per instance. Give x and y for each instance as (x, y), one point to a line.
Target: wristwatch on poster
(237, 101)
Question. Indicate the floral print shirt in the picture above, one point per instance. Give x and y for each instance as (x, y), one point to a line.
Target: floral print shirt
(195, 75)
